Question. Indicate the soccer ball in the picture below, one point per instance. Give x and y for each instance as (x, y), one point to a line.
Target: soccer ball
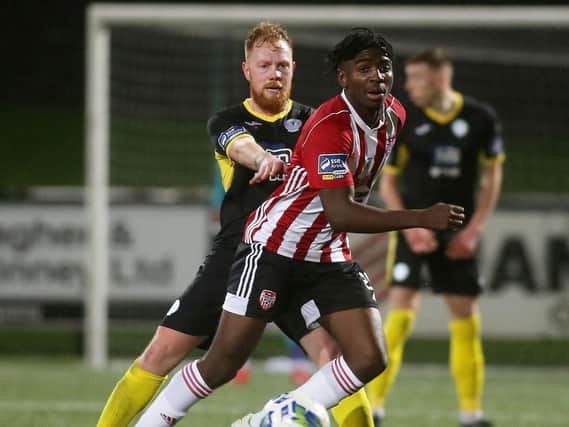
(294, 410)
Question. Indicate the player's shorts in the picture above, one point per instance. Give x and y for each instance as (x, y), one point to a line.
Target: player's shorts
(272, 287)
(445, 276)
(198, 310)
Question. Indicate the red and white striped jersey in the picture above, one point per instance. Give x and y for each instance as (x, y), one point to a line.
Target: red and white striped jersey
(336, 148)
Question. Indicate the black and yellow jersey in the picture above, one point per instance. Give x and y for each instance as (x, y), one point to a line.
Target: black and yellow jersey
(276, 134)
(438, 156)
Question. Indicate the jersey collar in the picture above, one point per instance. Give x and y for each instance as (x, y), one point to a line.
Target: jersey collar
(266, 117)
(443, 119)
(360, 122)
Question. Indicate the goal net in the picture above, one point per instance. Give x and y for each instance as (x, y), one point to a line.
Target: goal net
(156, 72)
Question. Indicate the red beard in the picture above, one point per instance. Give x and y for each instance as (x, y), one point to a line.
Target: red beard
(274, 104)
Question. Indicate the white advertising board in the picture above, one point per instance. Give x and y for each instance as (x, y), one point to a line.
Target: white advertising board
(155, 251)
(524, 262)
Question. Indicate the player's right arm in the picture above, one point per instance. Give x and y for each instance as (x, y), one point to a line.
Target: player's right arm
(248, 153)
(328, 144)
(234, 142)
(347, 215)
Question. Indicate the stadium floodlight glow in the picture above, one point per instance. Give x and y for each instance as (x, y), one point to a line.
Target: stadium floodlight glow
(202, 19)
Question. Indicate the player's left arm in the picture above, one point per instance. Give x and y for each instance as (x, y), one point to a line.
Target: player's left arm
(465, 242)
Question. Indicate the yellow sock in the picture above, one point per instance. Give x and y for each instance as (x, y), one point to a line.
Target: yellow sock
(467, 362)
(398, 326)
(353, 411)
(130, 395)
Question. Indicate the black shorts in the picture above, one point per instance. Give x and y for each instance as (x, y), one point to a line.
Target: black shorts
(198, 310)
(265, 285)
(435, 270)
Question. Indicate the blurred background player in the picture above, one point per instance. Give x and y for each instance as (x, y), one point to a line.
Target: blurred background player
(253, 142)
(449, 144)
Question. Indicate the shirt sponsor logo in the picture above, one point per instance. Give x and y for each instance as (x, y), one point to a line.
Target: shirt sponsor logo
(293, 125)
(332, 166)
(267, 299)
(446, 162)
(226, 136)
(283, 154)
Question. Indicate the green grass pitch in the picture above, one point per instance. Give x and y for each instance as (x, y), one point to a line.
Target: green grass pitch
(47, 392)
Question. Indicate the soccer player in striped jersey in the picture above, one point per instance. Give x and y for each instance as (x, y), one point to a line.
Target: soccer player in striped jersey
(451, 143)
(253, 142)
(295, 254)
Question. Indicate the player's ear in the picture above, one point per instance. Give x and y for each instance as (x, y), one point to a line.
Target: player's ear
(246, 71)
(342, 78)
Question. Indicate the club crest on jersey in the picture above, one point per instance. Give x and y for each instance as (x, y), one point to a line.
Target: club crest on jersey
(332, 166)
(460, 128)
(293, 125)
(267, 299)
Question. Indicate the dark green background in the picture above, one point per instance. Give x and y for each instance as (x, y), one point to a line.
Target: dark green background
(42, 118)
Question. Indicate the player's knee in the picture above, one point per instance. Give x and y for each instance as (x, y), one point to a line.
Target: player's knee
(217, 371)
(328, 351)
(368, 363)
(161, 357)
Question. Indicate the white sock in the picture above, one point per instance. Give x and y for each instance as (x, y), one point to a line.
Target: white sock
(185, 389)
(378, 412)
(331, 383)
(470, 417)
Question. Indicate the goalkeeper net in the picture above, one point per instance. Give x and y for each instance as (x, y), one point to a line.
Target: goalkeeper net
(156, 73)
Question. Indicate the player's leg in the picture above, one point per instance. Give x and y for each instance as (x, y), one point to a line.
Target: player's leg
(234, 341)
(353, 411)
(403, 281)
(466, 356)
(144, 377)
(459, 282)
(359, 335)
(300, 370)
(339, 297)
(254, 297)
(188, 323)
(403, 304)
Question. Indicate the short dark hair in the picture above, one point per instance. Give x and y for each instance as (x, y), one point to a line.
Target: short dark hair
(354, 42)
(435, 57)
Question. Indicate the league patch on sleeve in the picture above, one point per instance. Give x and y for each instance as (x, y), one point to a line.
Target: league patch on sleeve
(225, 137)
(332, 166)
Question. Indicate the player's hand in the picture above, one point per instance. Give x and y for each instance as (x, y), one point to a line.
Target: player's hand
(463, 244)
(267, 166)
(443, 216)
(421, 240)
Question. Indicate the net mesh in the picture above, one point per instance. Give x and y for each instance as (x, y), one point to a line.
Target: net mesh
(167, 80)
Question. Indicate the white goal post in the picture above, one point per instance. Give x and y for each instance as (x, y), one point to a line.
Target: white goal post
(100, 21)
